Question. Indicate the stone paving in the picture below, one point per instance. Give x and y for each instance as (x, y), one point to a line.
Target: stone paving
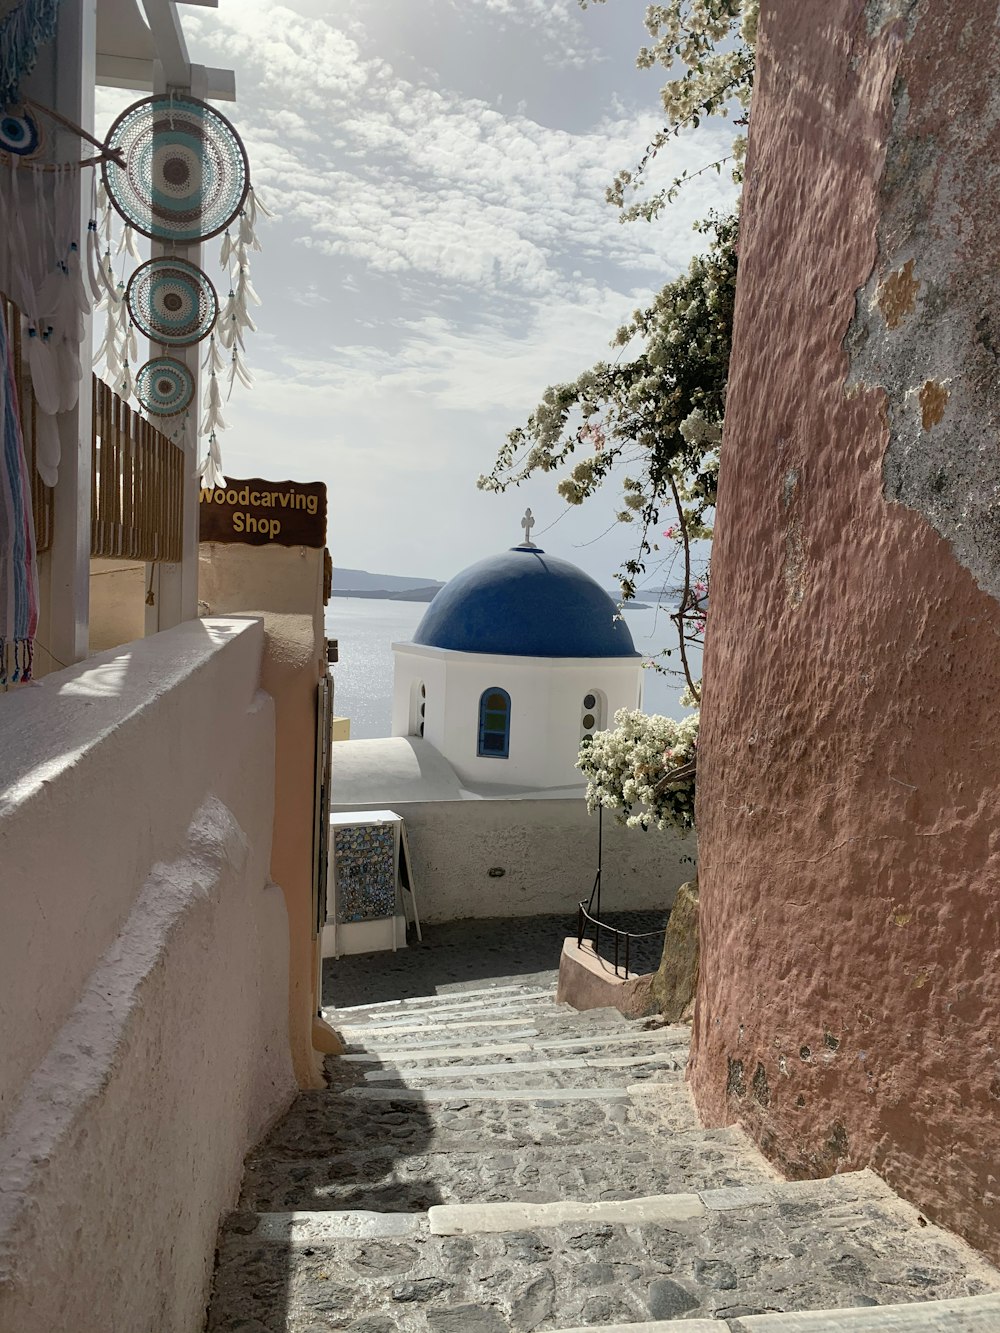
(492, 951)
(484, 1161)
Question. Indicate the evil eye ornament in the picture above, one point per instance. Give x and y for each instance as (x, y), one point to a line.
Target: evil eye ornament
(19, 134)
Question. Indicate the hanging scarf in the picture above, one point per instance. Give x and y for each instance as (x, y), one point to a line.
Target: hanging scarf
(22, 31)
(18, 570)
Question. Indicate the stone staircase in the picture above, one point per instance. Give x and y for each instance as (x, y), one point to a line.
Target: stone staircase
(486, 1161)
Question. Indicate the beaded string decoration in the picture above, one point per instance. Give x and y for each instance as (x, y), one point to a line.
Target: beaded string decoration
(23, 30)
(235, 321)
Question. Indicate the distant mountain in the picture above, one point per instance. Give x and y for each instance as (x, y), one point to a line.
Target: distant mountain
(361, 580)
(424, 594)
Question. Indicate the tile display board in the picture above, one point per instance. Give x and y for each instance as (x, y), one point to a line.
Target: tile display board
(365, 870)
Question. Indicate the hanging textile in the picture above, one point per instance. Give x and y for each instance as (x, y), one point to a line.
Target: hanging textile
(22, 31)
(18, 569)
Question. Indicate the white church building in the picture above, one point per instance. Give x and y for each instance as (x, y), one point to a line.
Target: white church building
(515, 662)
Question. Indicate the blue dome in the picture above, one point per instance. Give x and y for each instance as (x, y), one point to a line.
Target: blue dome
(525, 603)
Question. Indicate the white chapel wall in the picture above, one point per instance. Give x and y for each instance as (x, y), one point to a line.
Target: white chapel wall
(547, 850)
(546, 697)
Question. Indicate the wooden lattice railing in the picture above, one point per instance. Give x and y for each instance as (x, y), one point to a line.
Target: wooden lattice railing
(41, 495)
(137, 479)
(137, 487)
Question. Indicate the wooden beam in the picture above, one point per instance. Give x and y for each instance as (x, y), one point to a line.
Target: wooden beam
(127, 72)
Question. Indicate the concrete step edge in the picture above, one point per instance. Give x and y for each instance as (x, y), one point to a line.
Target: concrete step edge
(428, 1015)
(463, 1219)
(451, 997)
(535, 1094)
(400, 1073)
(668, 1038)
(308, 1227)
(963, 1314)
(365, 1030)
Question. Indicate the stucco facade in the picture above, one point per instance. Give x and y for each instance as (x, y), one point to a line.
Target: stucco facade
(545, 846)
(143, 976)
(546, 709)
(284, 586)
(849, 778)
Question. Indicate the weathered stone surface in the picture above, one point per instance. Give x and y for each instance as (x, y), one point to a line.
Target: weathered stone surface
(667, 1299)
(534, 1304)
(348, 1188)
(838, 1251)
(848, 863)
(423, 1289)
(675, 980)
(467, 1319)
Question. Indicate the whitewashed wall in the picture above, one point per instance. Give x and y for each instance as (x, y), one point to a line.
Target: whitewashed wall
(143, 976)
(546, 696)
(547, 850)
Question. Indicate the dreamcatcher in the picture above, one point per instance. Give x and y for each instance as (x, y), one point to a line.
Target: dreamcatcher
(164, 386)
(179, 175)
(182, 173)
(172, 302)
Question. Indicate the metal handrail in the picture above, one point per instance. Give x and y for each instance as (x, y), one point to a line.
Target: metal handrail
(583, 915)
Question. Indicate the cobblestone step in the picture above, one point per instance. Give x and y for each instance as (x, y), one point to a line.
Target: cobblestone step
(724, 1255)
(321, 1124)
(533, 1078)
(385, 1180)
(488, 1162)
(415, 1076)
(548, 1019)
(627, 1039)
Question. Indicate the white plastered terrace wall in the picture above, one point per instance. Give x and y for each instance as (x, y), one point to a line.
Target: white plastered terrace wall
(143, 976)
(545, 843)
(546, 696)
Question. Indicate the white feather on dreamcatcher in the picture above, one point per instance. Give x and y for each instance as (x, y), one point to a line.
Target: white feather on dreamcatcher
(234, 322)
(118, 350)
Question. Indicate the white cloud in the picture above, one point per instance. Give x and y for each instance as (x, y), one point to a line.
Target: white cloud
(440, 253)
(403, 176)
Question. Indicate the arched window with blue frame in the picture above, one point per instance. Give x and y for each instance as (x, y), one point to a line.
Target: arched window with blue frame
(494, 724)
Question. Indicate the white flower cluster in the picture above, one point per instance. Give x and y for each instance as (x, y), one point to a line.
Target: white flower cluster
(696, 430)
(623, 767)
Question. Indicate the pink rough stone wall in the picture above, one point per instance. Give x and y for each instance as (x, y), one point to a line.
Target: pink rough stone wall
(849, 774)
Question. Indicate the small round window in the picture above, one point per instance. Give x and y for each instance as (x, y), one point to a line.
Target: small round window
(418, 708)
(592, 714)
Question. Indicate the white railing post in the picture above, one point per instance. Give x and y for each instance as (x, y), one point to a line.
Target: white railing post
(175, 586)
(64, 80)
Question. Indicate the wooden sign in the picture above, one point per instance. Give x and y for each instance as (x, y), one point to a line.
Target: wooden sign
(264, 513)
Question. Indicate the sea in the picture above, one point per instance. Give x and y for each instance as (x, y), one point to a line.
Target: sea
(366, 628)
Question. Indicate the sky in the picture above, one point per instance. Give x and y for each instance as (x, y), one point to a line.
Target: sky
(440, 252)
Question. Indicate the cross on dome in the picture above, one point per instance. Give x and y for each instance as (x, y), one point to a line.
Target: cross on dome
(527, 523)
